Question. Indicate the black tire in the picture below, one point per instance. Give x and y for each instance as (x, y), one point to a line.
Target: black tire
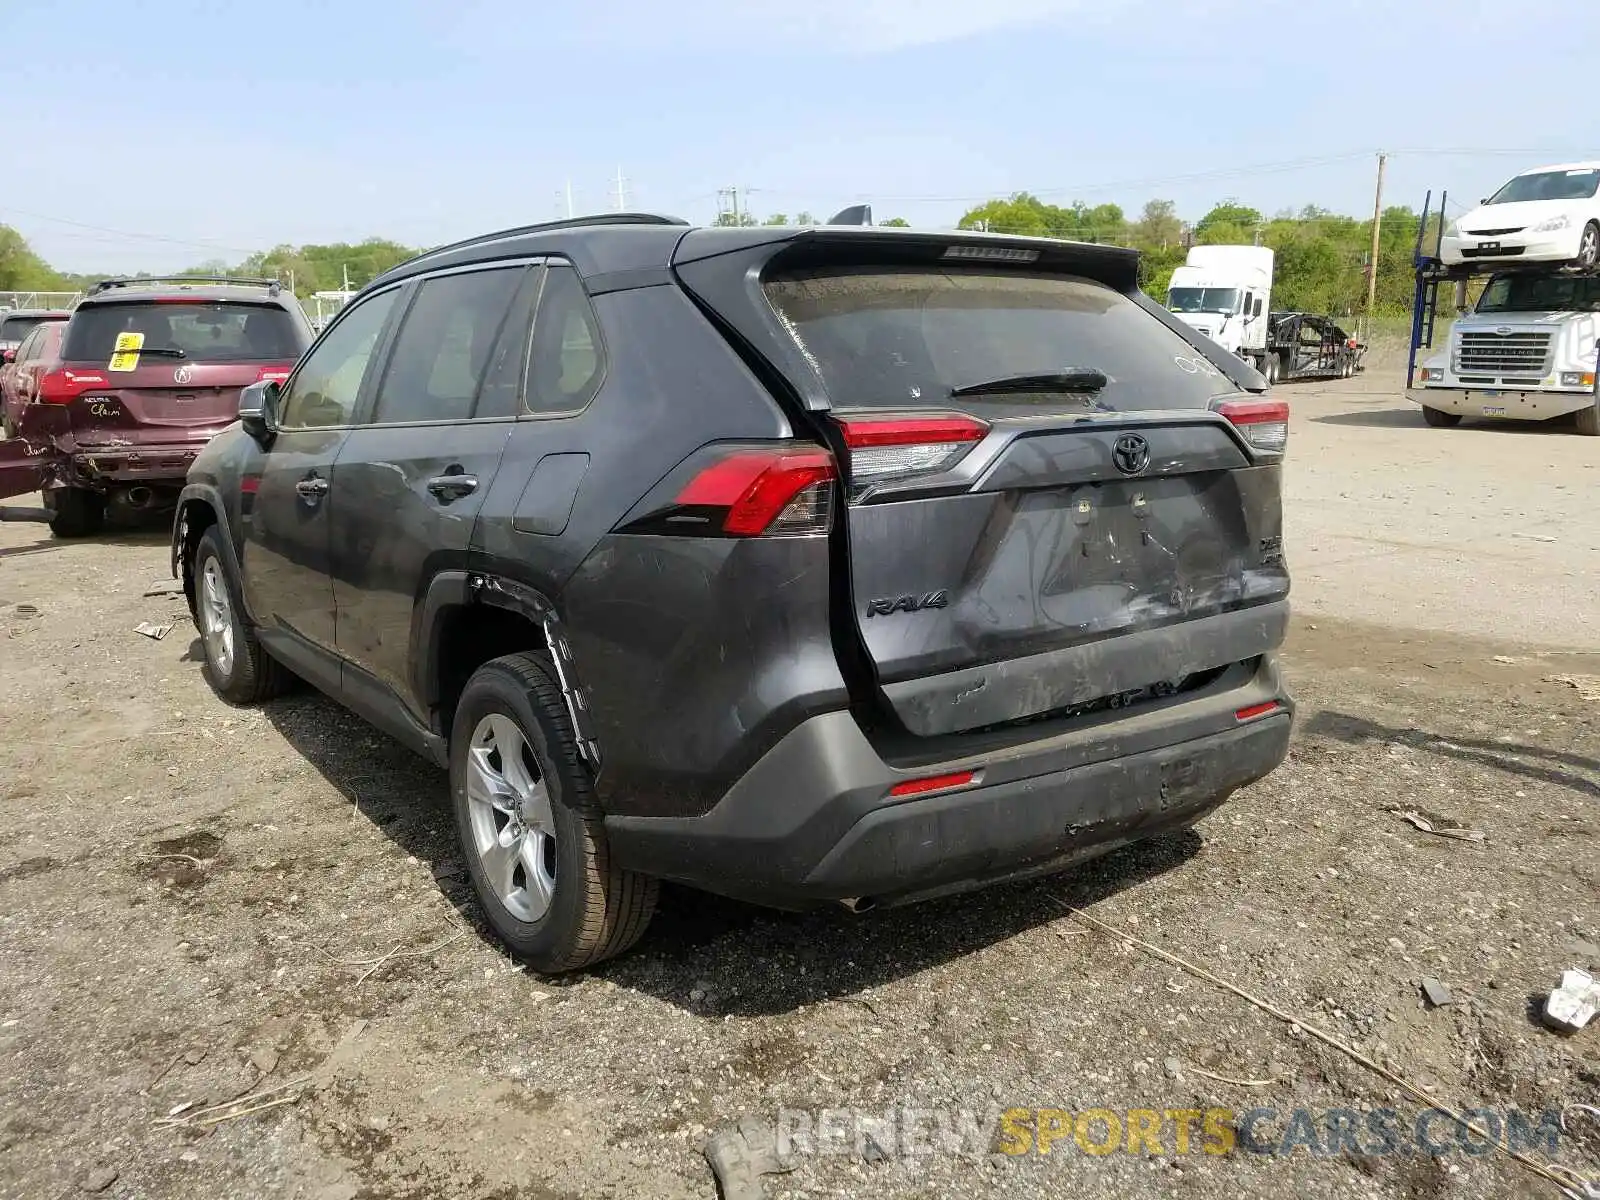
(249, 674)
(596, 910)
(1589, 247)
(1587, 420)
(1440, 419)
(75, 512)
(1270, 369)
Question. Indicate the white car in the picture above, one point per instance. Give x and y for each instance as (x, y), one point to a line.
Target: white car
(1548, 215)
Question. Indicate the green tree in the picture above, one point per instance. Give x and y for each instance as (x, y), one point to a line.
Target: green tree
(777, 219)
(1158, 227)
(896, 223)
(21, 270)
(1228, 212)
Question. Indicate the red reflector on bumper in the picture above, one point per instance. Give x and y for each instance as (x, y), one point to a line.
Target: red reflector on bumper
(933, 783)
(1257, 710)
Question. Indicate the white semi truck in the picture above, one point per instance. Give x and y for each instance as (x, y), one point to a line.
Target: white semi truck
(1525, 352)
(1225, 292)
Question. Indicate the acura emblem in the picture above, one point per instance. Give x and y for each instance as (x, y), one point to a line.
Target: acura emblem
(1131, 453)
(183, 374)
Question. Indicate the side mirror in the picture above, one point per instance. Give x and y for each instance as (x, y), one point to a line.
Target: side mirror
(258, 409)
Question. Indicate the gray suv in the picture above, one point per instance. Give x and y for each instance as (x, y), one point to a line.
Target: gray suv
(835, 565)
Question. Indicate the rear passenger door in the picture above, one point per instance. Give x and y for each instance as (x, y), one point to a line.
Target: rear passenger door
(411, 478)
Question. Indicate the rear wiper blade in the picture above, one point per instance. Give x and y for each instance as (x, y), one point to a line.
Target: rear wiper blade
(163, 351)
(1076, 379)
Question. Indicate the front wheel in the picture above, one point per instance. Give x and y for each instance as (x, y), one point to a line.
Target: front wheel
(530, 828)
(1440, 419)
(1588, 419)
(1589, 246)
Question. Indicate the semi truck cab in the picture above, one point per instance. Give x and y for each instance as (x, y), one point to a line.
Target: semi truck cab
(1225, 292)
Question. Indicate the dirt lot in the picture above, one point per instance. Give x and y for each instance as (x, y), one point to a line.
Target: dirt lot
(198, 902)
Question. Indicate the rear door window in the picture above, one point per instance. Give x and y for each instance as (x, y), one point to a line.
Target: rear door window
(566, 360)
(898, 338)
(443, 346)
(14, 329)
(224, 331)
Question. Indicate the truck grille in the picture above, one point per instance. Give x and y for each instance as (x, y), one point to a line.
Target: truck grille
(1502, 354)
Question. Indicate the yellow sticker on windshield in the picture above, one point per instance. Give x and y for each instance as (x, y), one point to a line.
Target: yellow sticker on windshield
(125, 354)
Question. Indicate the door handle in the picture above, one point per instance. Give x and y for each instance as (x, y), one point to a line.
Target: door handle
(312, 487)
(452, 487)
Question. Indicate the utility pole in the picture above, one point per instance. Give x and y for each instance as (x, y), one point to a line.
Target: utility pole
(1377, 225)
(622, 193)
(346, 277)
(569, 200)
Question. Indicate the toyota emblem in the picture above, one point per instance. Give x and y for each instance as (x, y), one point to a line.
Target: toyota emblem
(183, 374)
(1131, 453)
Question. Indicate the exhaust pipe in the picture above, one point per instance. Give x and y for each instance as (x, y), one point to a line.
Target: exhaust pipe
(859, 904)
(139, 496)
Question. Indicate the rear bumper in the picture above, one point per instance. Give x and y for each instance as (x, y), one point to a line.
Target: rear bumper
(136, 463)
(813, 822)
(1505, 404)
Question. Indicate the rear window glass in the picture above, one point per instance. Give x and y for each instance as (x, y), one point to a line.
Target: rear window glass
(896, 338)
(216, 332)
(14, 329)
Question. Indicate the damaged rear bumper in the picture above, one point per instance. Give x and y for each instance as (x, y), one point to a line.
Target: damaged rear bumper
(136, 463)
(814, 820)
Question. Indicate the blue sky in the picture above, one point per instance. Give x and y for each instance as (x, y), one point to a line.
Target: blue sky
(160, 133)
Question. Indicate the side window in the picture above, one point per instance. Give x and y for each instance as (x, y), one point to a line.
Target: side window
(566, 359)
(324, 390)
(30, 344)
(443, 346)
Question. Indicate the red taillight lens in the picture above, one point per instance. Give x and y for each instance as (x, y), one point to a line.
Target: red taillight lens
(63, 386)
(275, 374)
(1264, 423)
(773, 492)
(894, 446)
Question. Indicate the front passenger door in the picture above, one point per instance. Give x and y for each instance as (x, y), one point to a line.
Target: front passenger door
(287, 574)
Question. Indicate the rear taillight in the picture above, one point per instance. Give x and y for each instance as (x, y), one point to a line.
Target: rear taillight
(274, 374)
(64, 386)
(771, 493)
(1264, 423)
(892, 447)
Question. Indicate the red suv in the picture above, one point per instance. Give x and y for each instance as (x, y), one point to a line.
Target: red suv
(149, 371)
(39, 354)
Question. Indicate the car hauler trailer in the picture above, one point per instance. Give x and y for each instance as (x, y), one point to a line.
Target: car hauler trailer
(1525, 351)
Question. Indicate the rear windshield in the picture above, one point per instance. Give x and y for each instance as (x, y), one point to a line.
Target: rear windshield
(897, 338)
(204, 332)
(14, 329)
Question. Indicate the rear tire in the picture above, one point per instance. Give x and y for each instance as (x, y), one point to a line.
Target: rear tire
(1269, 368)
(75, 512)
(530, 829)
(1440, 419)
(236, 666)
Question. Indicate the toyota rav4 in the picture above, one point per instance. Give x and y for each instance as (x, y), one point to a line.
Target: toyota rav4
(836, 565)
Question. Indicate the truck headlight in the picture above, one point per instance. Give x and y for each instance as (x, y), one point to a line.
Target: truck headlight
(1577, 379)
(1432, 374)
(1553, 224)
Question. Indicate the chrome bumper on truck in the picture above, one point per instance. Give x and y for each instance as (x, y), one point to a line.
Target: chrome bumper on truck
(823, 817)
(1502, 403)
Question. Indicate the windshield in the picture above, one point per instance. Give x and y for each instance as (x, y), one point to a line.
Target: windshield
(216, 332)
(1540, 293)
(904, 338)
(14, 329)
(1199, 300)
(1550, 185)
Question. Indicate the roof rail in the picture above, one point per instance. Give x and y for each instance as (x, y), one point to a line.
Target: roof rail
(273, 286)
(614, 218)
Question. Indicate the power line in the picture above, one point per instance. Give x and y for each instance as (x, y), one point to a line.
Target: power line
(125, 233)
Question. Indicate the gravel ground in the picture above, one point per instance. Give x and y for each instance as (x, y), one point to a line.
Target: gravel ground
(199, 903)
